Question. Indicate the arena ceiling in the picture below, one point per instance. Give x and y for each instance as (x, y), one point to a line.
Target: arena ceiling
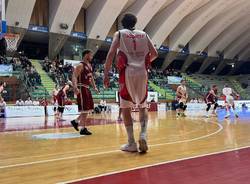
(212, 26)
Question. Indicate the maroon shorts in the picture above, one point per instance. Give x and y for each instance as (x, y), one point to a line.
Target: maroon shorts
(85, 100)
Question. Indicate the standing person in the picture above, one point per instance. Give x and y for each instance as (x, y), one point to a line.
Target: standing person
(181, 97)
(135, 53)
(61, 97)
(3, 46)
(82, 78)
(229, 100)
(211, 99)
(2, 85)
(54, 100)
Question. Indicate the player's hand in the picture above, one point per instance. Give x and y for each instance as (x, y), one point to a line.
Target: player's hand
(106, 81)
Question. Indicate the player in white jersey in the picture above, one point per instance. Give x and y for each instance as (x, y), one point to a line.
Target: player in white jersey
(135, 52)
(181, 97)
(229, 100)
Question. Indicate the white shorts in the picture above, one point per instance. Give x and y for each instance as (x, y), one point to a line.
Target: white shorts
(229, 100)
(136, 83)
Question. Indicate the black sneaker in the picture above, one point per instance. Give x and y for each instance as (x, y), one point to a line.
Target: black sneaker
(84, 131)
(75, 125)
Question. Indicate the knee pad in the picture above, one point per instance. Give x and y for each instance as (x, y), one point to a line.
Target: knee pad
(216, 105)
(184, 107)
(181, 105)
(208, 106)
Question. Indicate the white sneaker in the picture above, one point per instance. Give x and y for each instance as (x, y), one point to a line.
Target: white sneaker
(207, 116)
(143, 147)
(227, 116)
(129, 147)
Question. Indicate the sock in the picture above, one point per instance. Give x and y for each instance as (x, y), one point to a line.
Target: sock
(144, 125)
(207, 113)
(130, 132)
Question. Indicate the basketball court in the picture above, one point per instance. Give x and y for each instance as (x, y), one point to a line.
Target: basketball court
(184, 150)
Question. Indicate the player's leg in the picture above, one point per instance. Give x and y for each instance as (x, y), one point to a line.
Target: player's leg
(120, 114)
(207, 109)
(234, 110)
(82, 122)
(184, 109)
(227, 110)
(143, 115)
(177, 110)
(214, 109)
(131, 146)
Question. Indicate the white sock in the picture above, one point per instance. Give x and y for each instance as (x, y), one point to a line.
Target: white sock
(130, 132)
(144, 125)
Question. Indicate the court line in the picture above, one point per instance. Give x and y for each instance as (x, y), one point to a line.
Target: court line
(107, 152)
(95, 149)
(156, 164)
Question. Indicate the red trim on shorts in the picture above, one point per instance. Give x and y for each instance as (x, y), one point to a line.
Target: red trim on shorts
(121, 65)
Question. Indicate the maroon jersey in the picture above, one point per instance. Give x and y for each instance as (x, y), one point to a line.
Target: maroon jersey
(84, 98)
(86, 75)
(210, 98)
(61, 97)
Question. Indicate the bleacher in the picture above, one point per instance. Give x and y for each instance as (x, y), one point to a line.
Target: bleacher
(204, 82)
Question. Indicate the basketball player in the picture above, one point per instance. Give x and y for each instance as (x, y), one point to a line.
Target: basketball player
(181, 97)
(135, 52)
(2, 85)
(54, 99)
(82, 79)
(210, 99)
(229, 100)
(61, 96)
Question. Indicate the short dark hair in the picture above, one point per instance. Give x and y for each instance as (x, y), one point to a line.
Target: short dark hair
(128, 21)
(86, 51)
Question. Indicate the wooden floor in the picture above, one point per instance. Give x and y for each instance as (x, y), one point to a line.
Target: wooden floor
(26, 159)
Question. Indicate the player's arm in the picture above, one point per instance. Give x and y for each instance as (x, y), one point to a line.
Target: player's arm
(75, 75)
(65, 90)
(109, 60)
(152, 50)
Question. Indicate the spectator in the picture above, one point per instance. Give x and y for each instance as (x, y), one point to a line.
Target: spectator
(3, 45)
(20, 102)
(28, 102)
(103, 105)
(36, 103)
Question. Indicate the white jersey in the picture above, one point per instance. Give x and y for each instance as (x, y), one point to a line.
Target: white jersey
(135, 46)
(182, 95)
(227, 91)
